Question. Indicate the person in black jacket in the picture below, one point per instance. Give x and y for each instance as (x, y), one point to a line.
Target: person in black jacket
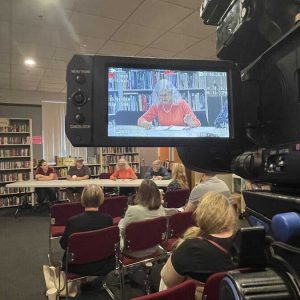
(92, 198)
(157, 172)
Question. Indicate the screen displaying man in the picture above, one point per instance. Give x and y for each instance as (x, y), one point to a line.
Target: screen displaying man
(157, 172)
(75, 173)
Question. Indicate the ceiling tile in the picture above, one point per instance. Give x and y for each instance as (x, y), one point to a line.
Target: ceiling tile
(174, 42)
(136, 34)
(194, 26)
(115, 9)
(153, 52)
(63, 54)
(41, 13)
(4, 31)
(32, 50)
(204, 49)
(93, 26)
(26, 77)
(24, 85)
(58, 64)
(77, 42)
(55, 73)
(119, 48)
(4, 83)
(4, 58)
(53, 80)
(50, 87)
(5, 10)
(4, 68)
(40, 62)
(4, 75)
(4, 46)
(157, 14)
(194, 4)
(21, 69)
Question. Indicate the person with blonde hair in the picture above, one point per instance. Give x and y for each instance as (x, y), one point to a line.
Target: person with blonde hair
(148, 206)
(123, 171)
(179, 180)
(204, 249)
(91, 199)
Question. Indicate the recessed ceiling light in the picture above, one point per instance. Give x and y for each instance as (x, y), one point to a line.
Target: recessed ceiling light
(29, 62)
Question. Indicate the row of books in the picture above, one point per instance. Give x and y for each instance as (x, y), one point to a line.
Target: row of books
(108, 169)
(15, 128)
(15, 176)
(14, 152)
(119, 150)
(141, 102)
(6, 190)
(14, 200)
(14, 164)
(144, 79)
(11, 140)
(95, 170)
(109, 159)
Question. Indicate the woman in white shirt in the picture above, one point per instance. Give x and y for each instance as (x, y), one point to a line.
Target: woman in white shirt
(148, 206)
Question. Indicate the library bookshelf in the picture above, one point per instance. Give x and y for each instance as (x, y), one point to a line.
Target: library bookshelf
(109, 156)
(15, 160)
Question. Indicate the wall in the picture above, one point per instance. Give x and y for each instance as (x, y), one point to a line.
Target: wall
(33, 112)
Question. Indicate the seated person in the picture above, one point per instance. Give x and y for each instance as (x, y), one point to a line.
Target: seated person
(92, 198)
(209, 182)
(157, 171)
(123, 171)
(169, 108)
(148, 206)
(76, 173)
(204, 249)
(45, 173)
(179, 180)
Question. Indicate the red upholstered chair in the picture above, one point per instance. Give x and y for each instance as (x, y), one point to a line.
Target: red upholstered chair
(176, 199)
(89, 247)
(211, 287)
(115, 207)
(59, 215)
(177, 225)
(182, 291)
(141, 236)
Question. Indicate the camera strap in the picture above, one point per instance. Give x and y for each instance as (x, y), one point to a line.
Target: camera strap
(214, 244)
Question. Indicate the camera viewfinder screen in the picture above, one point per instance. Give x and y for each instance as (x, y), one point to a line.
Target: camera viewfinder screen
(167, 103)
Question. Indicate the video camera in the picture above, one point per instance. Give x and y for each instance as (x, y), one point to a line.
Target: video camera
(238, 114)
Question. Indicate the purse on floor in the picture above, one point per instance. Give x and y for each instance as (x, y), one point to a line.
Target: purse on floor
(54, 278)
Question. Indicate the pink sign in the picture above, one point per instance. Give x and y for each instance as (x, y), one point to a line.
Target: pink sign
(37, 140)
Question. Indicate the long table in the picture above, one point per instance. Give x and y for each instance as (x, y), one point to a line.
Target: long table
(82, 183)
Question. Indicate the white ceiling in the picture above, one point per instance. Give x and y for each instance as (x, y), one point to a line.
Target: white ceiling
(52, 31)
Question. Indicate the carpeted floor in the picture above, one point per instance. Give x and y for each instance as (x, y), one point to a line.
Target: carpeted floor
(23, 251)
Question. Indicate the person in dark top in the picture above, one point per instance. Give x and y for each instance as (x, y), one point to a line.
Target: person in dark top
(76, 173)
(45, 173)
(157, 172)
(204, 249)
(92, 198)
(179, 180)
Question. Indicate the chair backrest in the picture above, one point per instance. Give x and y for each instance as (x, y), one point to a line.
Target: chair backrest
(114, 206)
(124, 117)
(104, 175)
(211, 287)
(178, 198)
(60, 213)
(145, 234)
(92, 246)
(179, 223)
(184, 290)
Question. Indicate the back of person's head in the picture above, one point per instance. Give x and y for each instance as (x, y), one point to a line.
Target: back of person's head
(92, 196)
(178, 174)
(148, 195)
(40, 162)
(215, 214)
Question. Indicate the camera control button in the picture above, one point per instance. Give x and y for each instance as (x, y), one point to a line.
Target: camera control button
(79, 118)
(79, 98)
(80, 78)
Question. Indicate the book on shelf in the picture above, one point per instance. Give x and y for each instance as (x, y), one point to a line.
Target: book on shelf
(15, 140)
